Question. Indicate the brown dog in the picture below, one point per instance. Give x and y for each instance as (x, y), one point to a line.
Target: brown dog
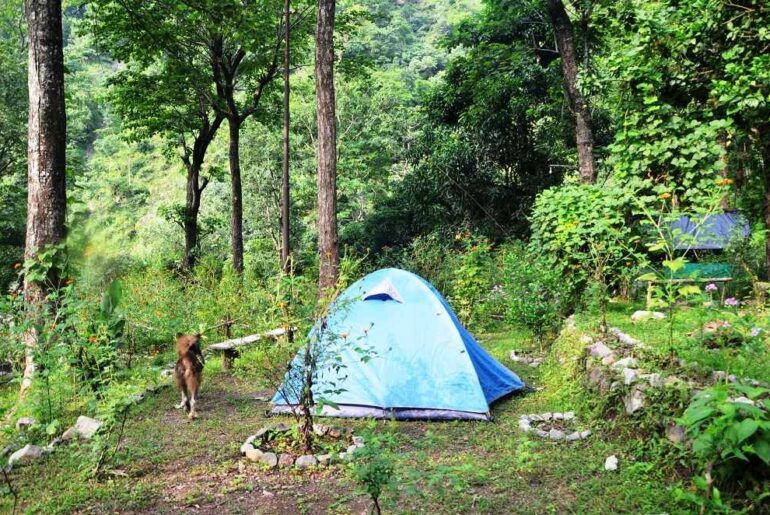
(189, 370)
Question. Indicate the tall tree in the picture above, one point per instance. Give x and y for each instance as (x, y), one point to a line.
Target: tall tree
(46, 186)
(562, 29)
(285, 199)
(328, 244)
(165, 97)
(232, 48)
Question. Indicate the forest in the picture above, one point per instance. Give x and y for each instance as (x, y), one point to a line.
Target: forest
(410, 256)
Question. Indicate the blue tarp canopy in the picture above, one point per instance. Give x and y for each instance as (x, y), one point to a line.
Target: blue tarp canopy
(714, 233)
(395, 349)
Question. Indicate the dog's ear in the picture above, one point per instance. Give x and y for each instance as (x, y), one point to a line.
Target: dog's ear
(198, 335)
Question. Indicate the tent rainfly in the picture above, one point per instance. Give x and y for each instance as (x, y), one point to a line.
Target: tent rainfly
(396, 350)
(713, 233)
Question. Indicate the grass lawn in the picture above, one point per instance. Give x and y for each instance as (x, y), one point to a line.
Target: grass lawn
(171, 464)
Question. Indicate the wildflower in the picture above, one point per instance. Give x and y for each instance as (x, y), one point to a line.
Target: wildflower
(16, 266)
(731, 302)
(755, 331)
(92, 338)
(665, 196)
(724, 182)
(711, 287)
(344, 335)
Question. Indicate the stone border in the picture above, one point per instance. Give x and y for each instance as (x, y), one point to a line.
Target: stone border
(261, 454)
(525, 424)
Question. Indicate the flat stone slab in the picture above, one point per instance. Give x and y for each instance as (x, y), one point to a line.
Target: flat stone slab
(27, 454)
(306, 461)
(85, 428)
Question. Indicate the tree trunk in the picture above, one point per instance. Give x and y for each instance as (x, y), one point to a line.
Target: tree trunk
(562, 28)
(328, 247)
(192, 207)
(46, 195)
(285, 199)
(236, 220)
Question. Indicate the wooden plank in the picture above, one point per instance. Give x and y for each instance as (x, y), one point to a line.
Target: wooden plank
(246, 340)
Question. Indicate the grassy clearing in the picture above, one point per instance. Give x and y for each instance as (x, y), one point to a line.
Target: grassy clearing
(169, 464)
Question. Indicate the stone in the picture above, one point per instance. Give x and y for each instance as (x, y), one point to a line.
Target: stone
(558, 416)
(336, 432)
(586, 340)
(306, 461)
(320, 429)
(358, 441)
(675, 434)
(628, 362)
(634, 401)
(524, 424)
(137, 398)
(642, 316)
(611, 463)
(261, 398)
(324, 459)
(598, 376)
(718, 376)
(351, 449)
(573, 436)
(570, 415)
(246, 447)
(546, 416)
(541, 433)
(629, 376)
(167, 373)
(624, 338)
(252, 453)
(655, 380)
(343, 455)
(84, 428)
(585, 434)
(673, 382)
(285, 460)
(555, 434)
(599, 350)
(24, 422)
(269, 458)
(743, 400)
(53, 443)
(608, 360)
(280, 428)
(26, 454)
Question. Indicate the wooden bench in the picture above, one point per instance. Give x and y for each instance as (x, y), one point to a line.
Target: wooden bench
(231, 348)
(651, 284)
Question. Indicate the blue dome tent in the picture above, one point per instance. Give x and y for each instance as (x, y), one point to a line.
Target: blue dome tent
(398, 351)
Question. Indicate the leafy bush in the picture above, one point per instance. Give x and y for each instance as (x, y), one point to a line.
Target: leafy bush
(472, 280)
(730, 430)
(584, 232)
(534, 290)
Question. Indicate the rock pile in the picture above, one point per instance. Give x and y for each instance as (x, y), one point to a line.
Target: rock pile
(537, 424)
(256, 447)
